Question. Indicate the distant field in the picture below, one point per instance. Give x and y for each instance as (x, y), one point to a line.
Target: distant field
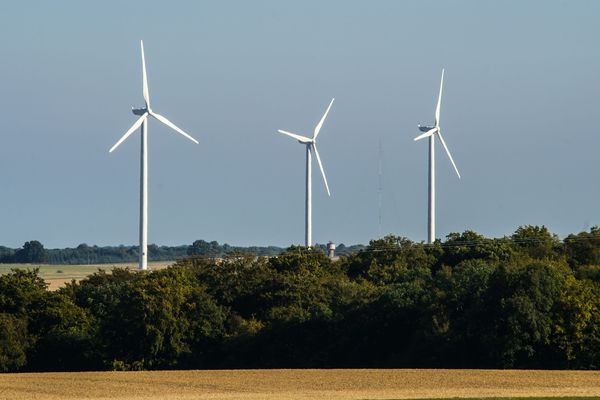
(57, 275)
(302, 384)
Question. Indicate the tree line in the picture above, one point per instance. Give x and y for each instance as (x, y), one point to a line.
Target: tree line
(34, 252)
(528, 300)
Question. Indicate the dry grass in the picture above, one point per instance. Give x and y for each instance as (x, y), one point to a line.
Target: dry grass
(55, 279)
(298, 384)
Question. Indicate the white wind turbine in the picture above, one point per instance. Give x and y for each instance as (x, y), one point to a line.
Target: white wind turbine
(311, 145)
(431, 132)
(144, 112)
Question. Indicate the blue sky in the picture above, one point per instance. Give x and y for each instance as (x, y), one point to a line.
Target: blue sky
(519, 114)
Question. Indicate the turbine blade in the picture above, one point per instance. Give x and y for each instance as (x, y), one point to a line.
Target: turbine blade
(299, 138)
(144, 78)
(314, 147)
(448, 152)
(439, 102)
(320, 124)
(172, 126)
(129, 132)
(426, 134)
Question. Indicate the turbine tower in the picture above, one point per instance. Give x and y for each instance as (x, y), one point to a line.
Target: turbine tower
(431, 132)
(142, 121)
(311, 146)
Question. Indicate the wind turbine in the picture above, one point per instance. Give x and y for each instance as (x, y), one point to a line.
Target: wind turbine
(311, 146)
(142, 121)
(431, 132)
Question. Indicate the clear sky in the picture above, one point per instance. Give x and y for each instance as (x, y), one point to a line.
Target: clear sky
(519, 113)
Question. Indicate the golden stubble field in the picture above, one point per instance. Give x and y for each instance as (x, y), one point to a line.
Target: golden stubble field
(298, 384)
(56, 275)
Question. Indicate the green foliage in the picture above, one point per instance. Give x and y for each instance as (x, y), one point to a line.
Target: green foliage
(297, 259)
(13, 342)
(460, 308)
(577, 326)
(32, 252)
(590, 272)
(20, 289)
(203, 248)
(387, 260)
(583, 248)
(528, 301)
(237, 281)
(152, 319)
(521, 298)
(63, 335)
(6, 254)
(537, 242)
(472, 246)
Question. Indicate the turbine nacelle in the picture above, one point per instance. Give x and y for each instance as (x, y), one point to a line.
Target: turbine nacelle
(139, 111)
(424, 128)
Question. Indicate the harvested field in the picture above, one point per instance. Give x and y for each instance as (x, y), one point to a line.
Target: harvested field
(299, 384)
(56, 275)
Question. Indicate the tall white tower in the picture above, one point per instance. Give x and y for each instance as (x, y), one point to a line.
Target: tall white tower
(431, 132)
(142, 122)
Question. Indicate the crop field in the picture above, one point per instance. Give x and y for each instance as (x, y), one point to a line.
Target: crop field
(302, 384)
(57, 275)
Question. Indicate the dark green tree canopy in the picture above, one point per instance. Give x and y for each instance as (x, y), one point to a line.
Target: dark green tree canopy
(524, 301)
(32, 252)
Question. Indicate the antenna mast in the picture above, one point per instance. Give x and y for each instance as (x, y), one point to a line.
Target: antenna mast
(380, 186)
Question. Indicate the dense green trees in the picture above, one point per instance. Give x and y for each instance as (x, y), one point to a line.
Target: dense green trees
(525, 301)
(13, 342)
(34, 252)
(522, 297)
